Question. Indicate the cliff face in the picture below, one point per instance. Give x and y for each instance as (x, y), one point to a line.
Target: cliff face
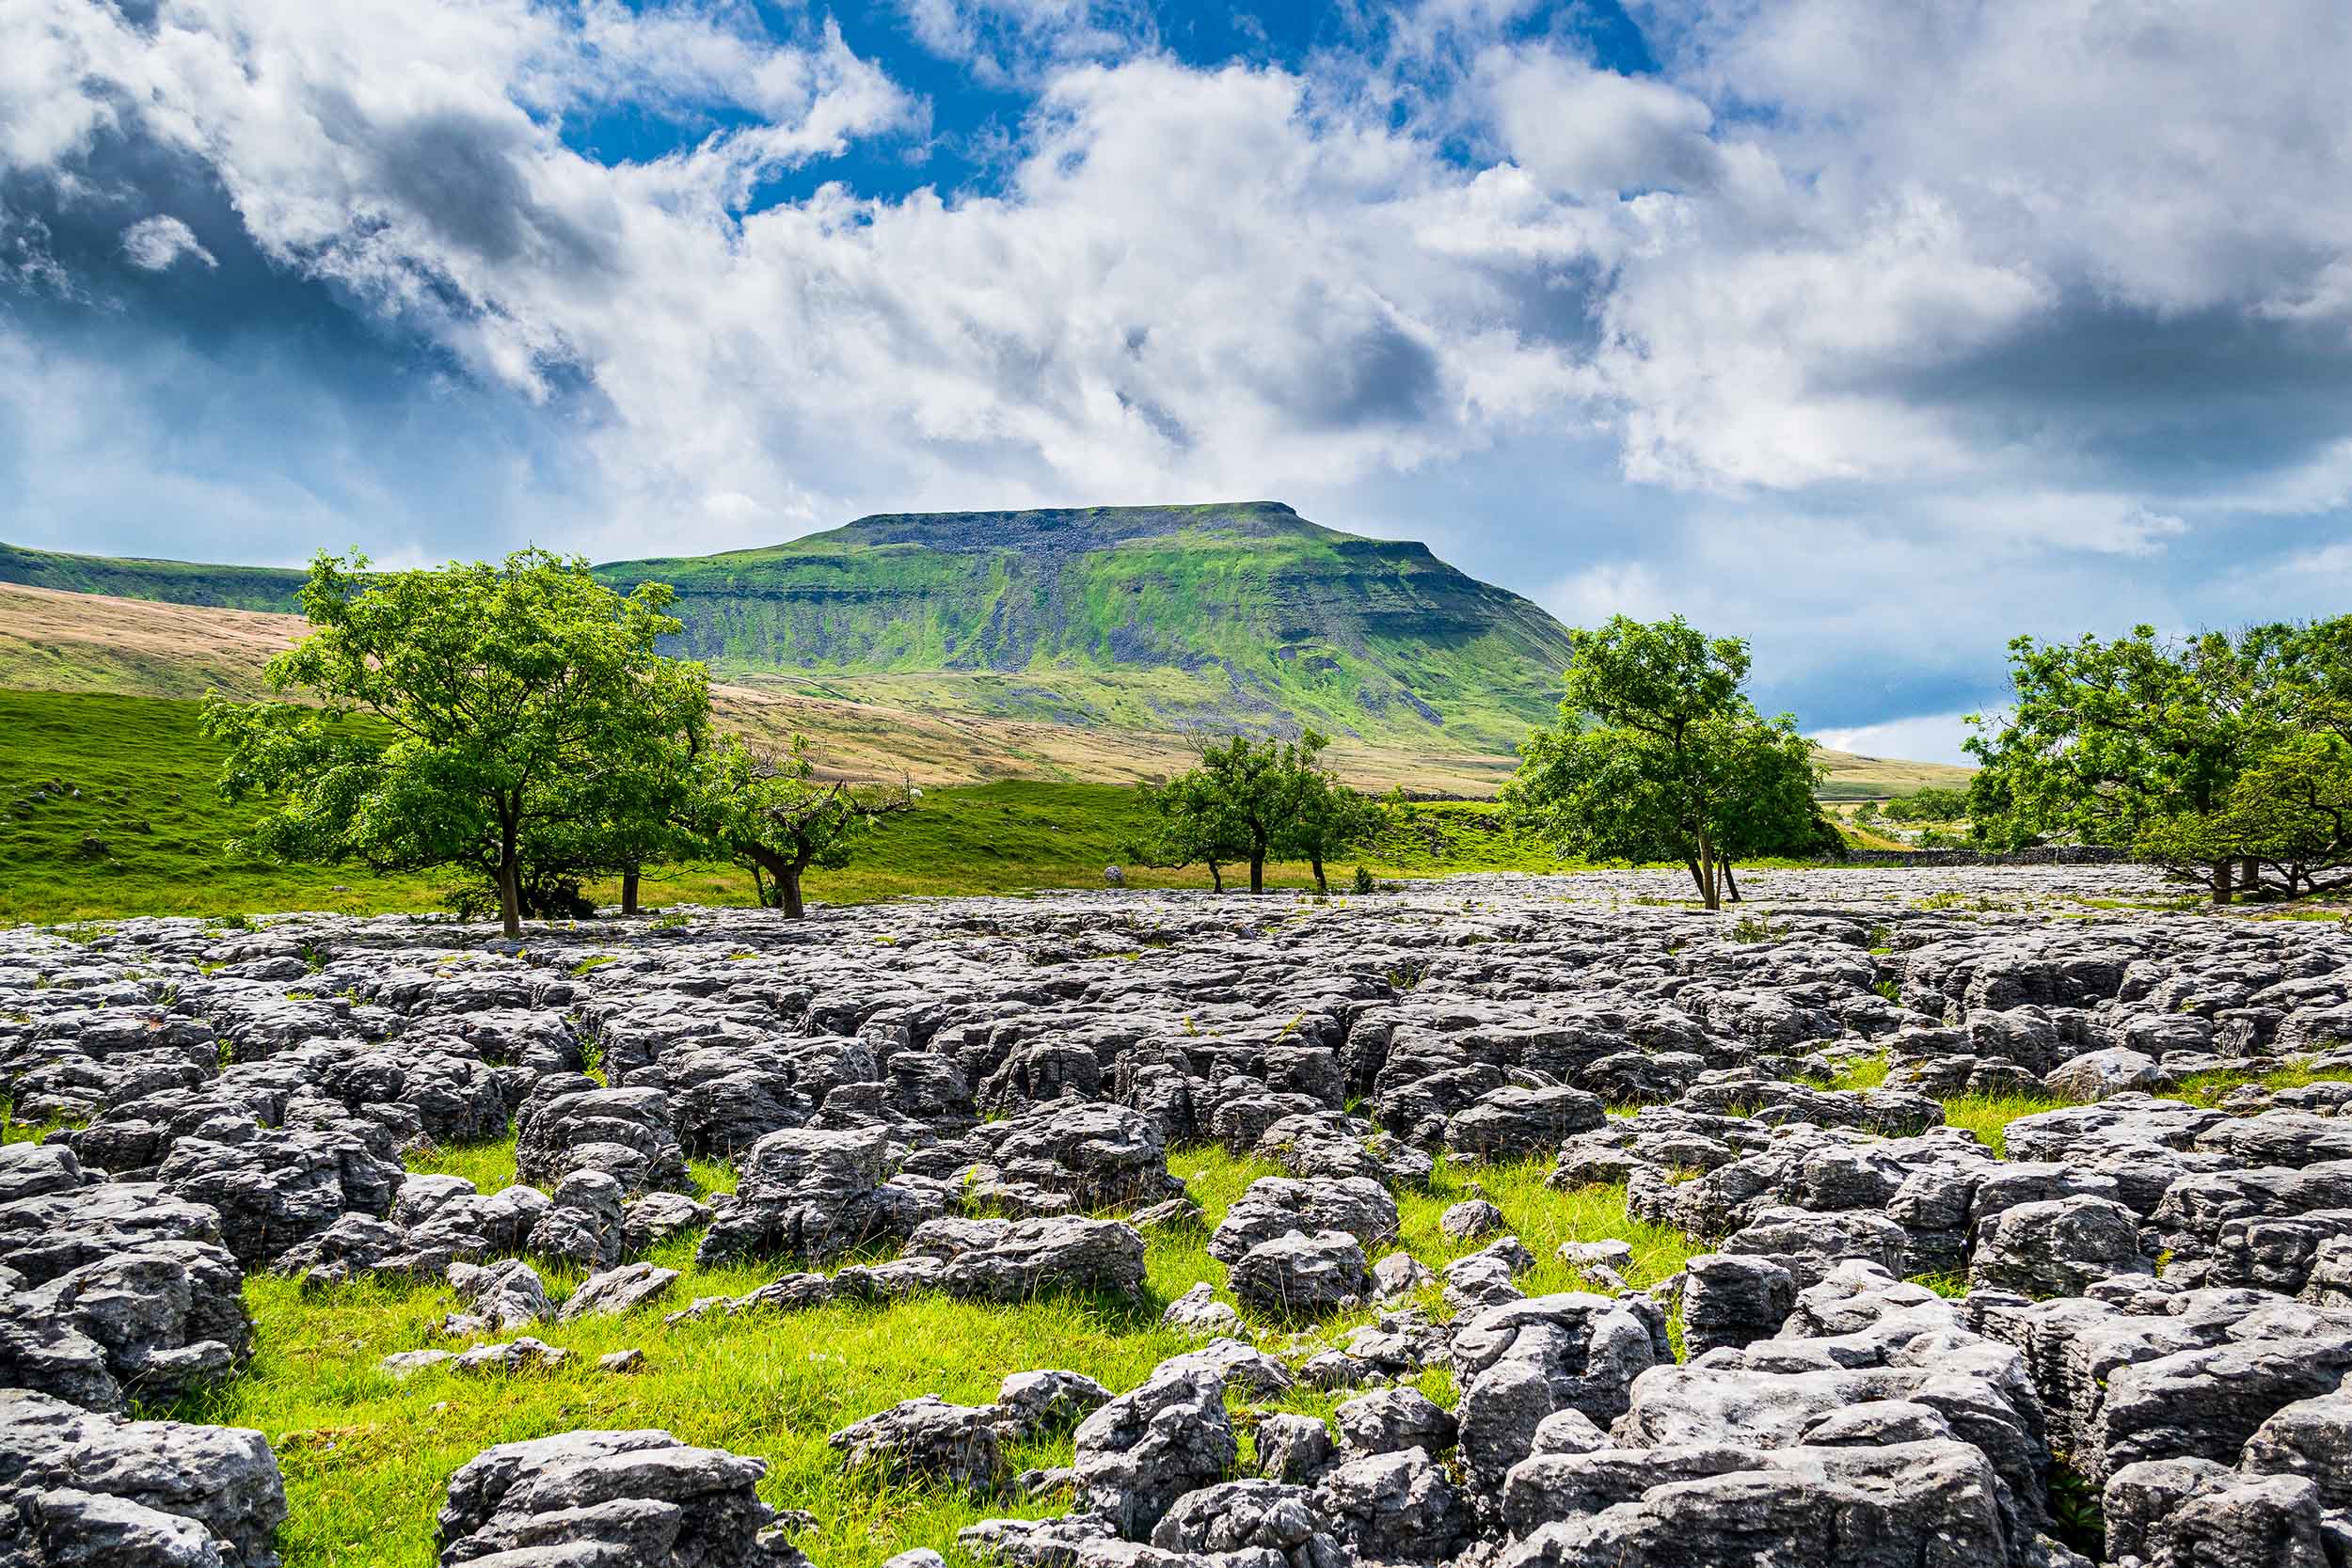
(1244, 615)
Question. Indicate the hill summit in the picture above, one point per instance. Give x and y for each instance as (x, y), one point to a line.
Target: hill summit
(1157, 617)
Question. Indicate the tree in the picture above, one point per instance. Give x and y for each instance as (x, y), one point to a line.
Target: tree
(2285, 822)
(765, 811)
(522, 725)
(1928, 806)
(1188, 824)
(1658, 755)
(1321, 817)
(2141, 743)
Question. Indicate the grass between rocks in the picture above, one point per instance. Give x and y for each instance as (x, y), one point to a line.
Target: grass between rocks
(366, 1460)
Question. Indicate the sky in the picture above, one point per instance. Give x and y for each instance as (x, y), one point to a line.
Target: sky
(1877, 335)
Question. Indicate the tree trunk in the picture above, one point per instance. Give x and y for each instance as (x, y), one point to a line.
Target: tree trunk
(1320, 886)
(789, 881)
(2250, 875)
(510, 886)
(1731, 884)
(759, 885)
(1216, 877)
(1708, 891)
(1697, 880)
(2221, 881)
(1257, 870)
(628, 891)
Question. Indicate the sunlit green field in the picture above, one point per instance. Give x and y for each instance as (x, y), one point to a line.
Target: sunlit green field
(108, 807)
(366, 1460)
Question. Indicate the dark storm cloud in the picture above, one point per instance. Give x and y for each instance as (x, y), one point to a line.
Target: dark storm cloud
(1382, 375)
(2188, 400)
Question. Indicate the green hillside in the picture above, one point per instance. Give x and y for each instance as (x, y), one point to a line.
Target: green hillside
(1142, 617)
(169, 581)
(1243, 616)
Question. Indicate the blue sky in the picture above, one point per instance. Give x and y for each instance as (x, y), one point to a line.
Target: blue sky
(1878, 336)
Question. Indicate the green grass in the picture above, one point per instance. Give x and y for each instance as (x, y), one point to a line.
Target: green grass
(366, 1460)
(2211, 1088)
(108, 807)
(1988, 1116)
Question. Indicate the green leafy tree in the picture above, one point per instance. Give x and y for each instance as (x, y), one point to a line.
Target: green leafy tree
(1322, 816)
(1928, 806)
(2140, 742)
(512, 720)
(1190, 825)
(1659, 756)
(2285, 821)
(767, 811)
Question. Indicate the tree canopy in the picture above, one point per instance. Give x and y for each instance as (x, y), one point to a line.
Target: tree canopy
(767, 811)
(512, 720)
(1659, 756)
(2227, 757)
(1252, 800)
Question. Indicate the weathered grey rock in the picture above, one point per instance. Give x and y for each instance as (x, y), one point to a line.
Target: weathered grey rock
(1858, 1508)
(1393, 1507)
(1517, 1123)
(926, 1436)
(1297, 1275)
(811, 1194)
(642, 1499)
(2311, 1438)
(573, 1123)
(500, 1297)
(1263, 1518)
(402, 1365)
(1137, 1454)
(1051, 1542)
(2057, 1248)
(1392, 1419)
(1487, 1277)
(617, 1290)
(1471, 1219)
(1517, 1362)
(2194, 1514)
(1198, 1311)
(1733, 1301)
(659, 1217)
(581, 1226)
(277, 1189)
(1040, 1403)
(1015, 1260)
(1294, 1449)
(522, 1354)
(88, 1486)
(2101, 1075)
(1278, 1206)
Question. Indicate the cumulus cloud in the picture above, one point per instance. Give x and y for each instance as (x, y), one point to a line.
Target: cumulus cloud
(1925, 738)
(155, 242)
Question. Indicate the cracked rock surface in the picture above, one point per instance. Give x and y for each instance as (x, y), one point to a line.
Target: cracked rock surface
(1893, 1344)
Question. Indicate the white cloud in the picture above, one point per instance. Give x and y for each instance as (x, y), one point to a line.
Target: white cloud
(1595, 132)
(1927, 737)
(153, 244)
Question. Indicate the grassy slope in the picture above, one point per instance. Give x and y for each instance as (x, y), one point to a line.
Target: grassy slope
(173, 582)
(1136, 617)
(1075, 651)
(107, 808)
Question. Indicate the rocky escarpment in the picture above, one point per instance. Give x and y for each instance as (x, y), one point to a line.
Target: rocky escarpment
(1896, 1344)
